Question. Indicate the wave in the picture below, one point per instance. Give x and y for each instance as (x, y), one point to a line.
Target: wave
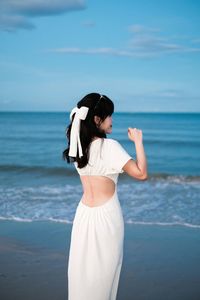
(165, 224)
(162, 202)
(70, 171)
(175, 178)
(184, 224)
(38, 169)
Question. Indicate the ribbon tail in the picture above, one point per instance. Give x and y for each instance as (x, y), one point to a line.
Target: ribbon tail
(73, 139)
(79, 147)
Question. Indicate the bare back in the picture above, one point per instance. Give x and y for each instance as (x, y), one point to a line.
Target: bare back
(99, 177)
(96, 189)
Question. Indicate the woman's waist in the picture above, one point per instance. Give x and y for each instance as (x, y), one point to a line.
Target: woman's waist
(98, 199)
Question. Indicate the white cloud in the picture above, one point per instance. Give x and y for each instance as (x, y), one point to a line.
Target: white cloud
(149, 41)
(144, 43)
(101, 51)
(136, 51)
(15, 14)
(167, 93)
(137, 28)
(88, 24)
(151, 44)
(13, 22)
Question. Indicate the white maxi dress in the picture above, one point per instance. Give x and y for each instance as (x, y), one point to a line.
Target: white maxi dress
(97, 237)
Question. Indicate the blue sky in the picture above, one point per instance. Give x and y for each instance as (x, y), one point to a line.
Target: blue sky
(144, 55)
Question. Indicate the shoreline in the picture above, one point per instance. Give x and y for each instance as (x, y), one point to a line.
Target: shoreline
(160, 263)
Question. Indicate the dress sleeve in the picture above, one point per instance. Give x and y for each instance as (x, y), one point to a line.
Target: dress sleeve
(117, 156)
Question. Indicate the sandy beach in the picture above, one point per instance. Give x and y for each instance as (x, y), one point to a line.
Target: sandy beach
(159, 262)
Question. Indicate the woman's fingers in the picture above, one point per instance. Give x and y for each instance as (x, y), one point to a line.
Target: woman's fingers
(135, 134)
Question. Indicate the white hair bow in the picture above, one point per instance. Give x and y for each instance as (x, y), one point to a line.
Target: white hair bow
(75, 143)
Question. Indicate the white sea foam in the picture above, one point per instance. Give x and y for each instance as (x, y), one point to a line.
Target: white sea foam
(165, 224)
(150, 202)
(127, 222)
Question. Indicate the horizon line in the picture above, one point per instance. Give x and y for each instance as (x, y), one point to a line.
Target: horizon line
(127, 112)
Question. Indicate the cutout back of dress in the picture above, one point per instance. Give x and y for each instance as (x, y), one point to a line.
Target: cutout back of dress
(100, 176)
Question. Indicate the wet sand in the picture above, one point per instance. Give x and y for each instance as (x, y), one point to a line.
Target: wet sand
(160, 262)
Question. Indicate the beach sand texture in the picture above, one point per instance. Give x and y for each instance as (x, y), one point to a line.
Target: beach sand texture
(160, 263)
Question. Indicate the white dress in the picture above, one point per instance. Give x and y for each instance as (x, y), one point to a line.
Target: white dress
(97, 237)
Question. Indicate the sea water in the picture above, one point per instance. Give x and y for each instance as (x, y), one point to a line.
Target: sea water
(37, 184)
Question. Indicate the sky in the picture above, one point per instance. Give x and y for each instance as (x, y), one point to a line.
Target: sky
(144, 55)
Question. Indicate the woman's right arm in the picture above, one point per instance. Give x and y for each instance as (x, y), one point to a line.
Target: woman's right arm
(138, 168)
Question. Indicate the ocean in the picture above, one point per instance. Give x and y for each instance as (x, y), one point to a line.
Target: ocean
(36, 184)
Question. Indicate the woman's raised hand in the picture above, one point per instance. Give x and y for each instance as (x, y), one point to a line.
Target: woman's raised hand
(135, 135)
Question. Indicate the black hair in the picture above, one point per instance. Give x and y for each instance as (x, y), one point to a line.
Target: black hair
(99, 105)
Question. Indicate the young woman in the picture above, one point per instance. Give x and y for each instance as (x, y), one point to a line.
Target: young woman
(96, 247)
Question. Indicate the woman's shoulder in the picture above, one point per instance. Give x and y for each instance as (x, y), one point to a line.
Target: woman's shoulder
(108, 144)
(111, 141)
(108, 140)
(111, 145)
